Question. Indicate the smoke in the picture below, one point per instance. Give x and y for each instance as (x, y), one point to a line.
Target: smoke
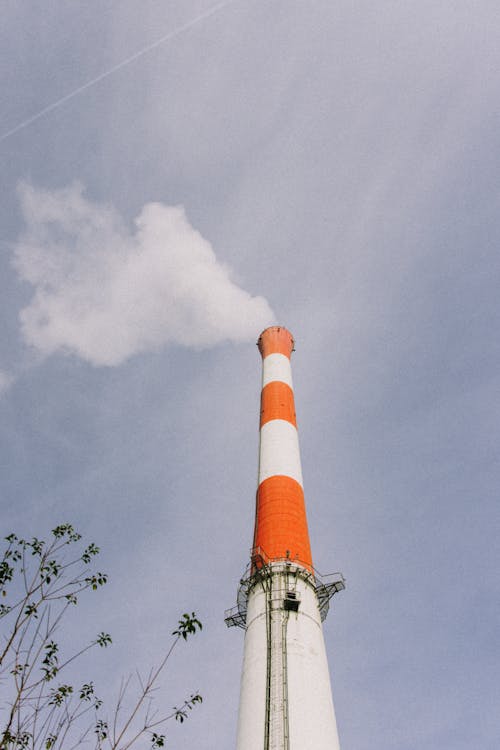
(105, 293)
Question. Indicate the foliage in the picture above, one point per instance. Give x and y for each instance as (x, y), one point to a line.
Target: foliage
(39, 581)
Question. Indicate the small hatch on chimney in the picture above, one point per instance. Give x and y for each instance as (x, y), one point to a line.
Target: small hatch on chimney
(291, 601)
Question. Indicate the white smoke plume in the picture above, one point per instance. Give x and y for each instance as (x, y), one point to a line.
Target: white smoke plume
(105, 293)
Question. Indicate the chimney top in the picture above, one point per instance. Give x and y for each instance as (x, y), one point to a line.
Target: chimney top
(276, 340)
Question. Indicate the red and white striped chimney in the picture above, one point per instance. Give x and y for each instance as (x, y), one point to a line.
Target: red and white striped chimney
(280, 518)
(285, 700)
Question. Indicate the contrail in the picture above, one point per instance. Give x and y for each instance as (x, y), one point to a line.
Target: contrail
(171, 35)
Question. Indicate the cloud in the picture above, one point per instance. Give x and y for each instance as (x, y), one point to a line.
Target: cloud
(105, 293)
(6, 381)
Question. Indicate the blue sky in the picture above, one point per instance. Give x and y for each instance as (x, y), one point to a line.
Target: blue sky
(333, 167)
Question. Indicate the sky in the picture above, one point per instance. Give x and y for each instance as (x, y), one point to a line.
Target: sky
(330, 166)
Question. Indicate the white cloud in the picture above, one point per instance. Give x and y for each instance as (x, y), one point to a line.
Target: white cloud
(104, 292)
(6, 381)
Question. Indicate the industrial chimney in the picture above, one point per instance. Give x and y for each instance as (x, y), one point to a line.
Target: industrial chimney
(285, 700)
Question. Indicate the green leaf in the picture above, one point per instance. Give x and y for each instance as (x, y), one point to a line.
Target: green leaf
(103, 640)
(188, 625)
